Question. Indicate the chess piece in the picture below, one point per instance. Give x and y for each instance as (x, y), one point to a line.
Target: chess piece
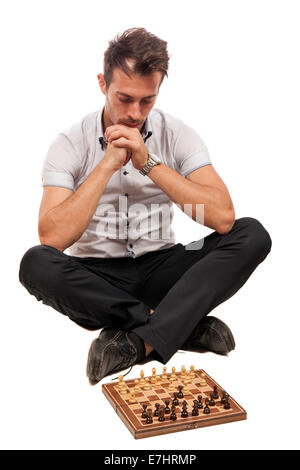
(211, 401)
(215, 394)
(183, 372)
(173, 374)
(175, 400)
(153, 379)
(225, 397)
(156, 412)
(120, 383)
(184, 412)
(180, 393)
(147, 386)
(149, 419)
(161, 414)
(167, 409)
(192, 372)
(200, 406)
(164, 377)
(136, 387)
(132, 398)
(195, 410)
(173, 416)
(202, 379)
(142, 379)
(206, 409)
(144, 414)
(171, 387)
(227, 405)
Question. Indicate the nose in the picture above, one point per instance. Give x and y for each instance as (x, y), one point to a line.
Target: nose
(134, 113)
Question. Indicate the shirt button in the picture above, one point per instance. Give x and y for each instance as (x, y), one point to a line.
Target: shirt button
(130, 245)
(125, 172)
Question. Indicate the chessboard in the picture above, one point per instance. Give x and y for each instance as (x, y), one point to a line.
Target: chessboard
(171, 402)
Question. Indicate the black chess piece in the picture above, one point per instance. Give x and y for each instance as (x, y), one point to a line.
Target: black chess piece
(180, 394)
(227, 405)
(156, 412)
(144, 414)
(149, 419)
(184, 412)
(195, 410)
(161, 414)
(173, 416)
(167, 409)
(206, 410)
(225, 396)
(200, 406)
(211, 401)
(215, 394)
(175, 400)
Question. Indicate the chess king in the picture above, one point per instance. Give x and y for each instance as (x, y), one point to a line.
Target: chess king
(125, 274)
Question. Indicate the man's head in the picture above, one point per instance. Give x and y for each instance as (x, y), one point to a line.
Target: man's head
(135, 65)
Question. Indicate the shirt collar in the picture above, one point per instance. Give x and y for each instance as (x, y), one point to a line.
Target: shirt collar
(146, 133)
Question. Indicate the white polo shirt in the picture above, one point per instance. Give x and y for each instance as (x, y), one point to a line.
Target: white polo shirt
(134, 215)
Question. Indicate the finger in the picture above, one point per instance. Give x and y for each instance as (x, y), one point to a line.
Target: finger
(122, 142)
(121, 130)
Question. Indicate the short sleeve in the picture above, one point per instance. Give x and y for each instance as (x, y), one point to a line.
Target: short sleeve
(190, 152)
(61, 165)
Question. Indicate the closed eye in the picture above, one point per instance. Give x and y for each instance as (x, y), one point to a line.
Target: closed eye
(128, 101)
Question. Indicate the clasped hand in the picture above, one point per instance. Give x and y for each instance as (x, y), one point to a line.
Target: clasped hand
(122, 136)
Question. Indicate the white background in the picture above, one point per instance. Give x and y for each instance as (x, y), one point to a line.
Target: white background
(234, 77)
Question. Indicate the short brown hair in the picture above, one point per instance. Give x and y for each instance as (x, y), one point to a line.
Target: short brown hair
(149, 54)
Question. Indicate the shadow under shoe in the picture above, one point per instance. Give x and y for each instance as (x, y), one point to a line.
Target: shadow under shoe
(211, 334)
(113, 351)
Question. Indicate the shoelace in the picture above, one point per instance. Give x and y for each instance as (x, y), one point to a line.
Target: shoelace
(116, 378)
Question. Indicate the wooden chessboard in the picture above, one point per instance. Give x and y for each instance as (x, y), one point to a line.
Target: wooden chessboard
(130, 413)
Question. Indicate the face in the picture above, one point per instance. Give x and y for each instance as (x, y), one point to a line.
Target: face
(129, 100)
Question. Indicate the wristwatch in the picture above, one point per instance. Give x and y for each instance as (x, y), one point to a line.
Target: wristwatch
(151, 162)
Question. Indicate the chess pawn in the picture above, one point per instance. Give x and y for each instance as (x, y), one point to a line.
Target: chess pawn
(202, 379)
(123, 389)
(132, 397)
(188, 377)
(164, 377)
(192, 372)
(171, 387)
(149, 419)
(183, 372)
(146, 385)
(173, 374)
(120, 383)
(136, 387)
(153, 379)
(142, 379)
(144, 413)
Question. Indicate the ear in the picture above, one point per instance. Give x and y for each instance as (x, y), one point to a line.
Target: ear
(102, 83)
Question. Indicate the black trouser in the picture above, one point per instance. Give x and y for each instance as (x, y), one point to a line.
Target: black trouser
(182, 284)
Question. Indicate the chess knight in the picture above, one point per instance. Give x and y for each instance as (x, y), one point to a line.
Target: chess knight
(125, 275)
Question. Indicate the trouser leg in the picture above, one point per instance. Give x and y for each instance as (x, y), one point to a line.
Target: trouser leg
(215, 274)
(85, 297)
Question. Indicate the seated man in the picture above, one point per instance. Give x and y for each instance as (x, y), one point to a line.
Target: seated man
(110, 182)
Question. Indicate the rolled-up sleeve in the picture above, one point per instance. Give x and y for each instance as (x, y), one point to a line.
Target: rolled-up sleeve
(190, 152)
(61, 165)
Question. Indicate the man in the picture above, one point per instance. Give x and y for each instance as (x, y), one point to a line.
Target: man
(110, 182)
